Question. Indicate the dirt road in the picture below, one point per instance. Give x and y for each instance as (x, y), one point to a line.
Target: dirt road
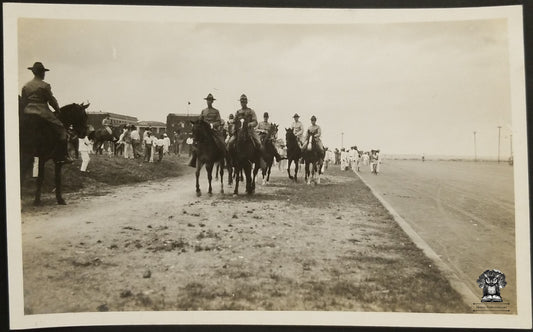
(156, 246)
(463, 210)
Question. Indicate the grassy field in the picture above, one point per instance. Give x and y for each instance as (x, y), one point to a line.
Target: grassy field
(105, 171)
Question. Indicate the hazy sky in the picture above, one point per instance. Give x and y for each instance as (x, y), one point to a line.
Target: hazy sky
(403, 88)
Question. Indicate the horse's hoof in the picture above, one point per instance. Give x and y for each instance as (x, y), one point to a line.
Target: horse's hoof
(210, 193)
(198, 193)
(61, 202)
(221, 191)
(235, 194)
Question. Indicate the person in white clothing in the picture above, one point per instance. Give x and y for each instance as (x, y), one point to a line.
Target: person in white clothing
(344, 159)
(166, 144)
(85, 145)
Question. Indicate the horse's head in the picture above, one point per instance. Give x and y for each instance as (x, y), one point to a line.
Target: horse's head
(289, 134)
(241, 127)
(75, 115)
(201, 130)
(273, 132)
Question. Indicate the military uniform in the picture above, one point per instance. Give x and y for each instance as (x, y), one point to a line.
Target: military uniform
(247, 114)
(35, 97)
(212, 116)
(298, 130)
(316, 132)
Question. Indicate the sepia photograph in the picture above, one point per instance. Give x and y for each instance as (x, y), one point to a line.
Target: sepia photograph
(273, 166)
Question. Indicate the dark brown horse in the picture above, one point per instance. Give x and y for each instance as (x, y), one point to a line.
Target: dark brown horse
(294, 153)
(313, 156)
(244, 155)
(270, 151)
(38, 139)
(207, 153)
(102, 135)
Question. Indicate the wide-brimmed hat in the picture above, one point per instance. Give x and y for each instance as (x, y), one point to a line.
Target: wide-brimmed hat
(231, 116)
(209, 97)
(265, 114)
(38, 66)
(295, 115)
(243, 97)
(313, 118)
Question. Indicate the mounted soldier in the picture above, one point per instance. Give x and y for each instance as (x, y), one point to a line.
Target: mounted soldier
(107, 123)
(212, 116)
(229, 126)
(35, 98)
(264, 130)
(314, 130)
(298, 129)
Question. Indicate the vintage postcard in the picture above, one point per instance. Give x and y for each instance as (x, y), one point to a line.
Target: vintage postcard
(195, 165)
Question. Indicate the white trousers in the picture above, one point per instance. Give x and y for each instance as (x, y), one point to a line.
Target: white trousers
(84, 160)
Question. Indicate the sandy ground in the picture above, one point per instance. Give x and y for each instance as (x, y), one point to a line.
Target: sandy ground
(156, 246)
(463, 210)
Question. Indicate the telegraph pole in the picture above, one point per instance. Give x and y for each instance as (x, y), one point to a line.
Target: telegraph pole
(342, 140)
(475, 147)
(499, 128)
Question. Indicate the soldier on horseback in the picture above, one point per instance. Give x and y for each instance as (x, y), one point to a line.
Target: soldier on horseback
(107, 123)
(229, 126)
(249, 115)
(264, 129)
(212, 116)
(35, 98)
(298, 129)
(314, 130)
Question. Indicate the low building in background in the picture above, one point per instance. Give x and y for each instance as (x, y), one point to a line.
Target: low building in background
(94, 119)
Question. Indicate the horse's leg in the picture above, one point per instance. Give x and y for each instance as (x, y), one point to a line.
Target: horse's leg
(59, 197)
(307, 173)
(321, 164)
(289, 169)
(249, 179)
(222, 177)
(209, 169)
(40, 179)
(198, 167)
(296, 166)
(268, 174)
(25, 163)
(254, 175)
(216, 171)
(237, 180)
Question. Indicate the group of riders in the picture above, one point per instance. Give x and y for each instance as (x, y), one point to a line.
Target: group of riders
(260, 132)
(37, 96)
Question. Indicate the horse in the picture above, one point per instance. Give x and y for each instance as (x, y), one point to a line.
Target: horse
(102, 135)
(38, 139)
(207, 153)
(313, 157)
(294, 153)
(270, 151)
(244, 155)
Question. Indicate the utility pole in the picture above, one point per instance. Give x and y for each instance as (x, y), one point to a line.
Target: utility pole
(475, 148)
(342, 140)
(499, 128)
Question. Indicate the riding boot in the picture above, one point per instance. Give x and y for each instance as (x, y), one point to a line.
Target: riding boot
(62, 153)
(192, 162)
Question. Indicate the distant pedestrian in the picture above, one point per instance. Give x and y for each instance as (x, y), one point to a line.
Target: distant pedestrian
(189, 142)
(128, 147)
(85, 146)
(159, 148)
(166, 144)
(135, 141)
(147, 145)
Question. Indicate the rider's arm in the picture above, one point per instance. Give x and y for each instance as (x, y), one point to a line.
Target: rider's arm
(50, 98)
(318, 132)
(253, 123)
